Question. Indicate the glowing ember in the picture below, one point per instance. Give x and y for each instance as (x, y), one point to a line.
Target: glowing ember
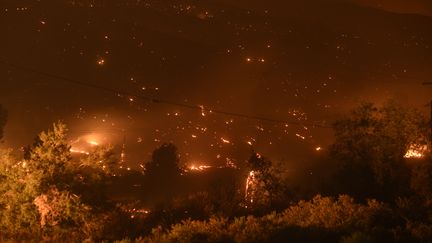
(300, 136)
(101, 62)
(202, 110)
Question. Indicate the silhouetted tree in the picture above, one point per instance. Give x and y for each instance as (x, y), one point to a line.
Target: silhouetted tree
(370, 144)
(256, 162)
(3, 120)
(164, 162)
(163, 172)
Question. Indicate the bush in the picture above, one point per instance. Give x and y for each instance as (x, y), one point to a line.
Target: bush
(323, 219)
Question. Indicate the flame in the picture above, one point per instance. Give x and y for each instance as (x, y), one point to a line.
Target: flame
(412, 154)
(415, 152)
(250, 188)
(199, 167)
(202, 110)
(76, 151)
(101, 62)
(94, 143)
(300, 136)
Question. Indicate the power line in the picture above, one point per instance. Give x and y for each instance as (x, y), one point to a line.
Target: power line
(156, 100)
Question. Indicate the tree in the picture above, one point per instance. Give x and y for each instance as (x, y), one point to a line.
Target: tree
(265, 187)
(93, 175)
(3, 120)
(49, 159)
(18, 215)
(165, 162)
(44, 168)
(38, 201)
(370, 144)
(163, 172)
(101, 158)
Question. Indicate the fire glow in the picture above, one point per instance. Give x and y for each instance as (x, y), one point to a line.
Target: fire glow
(415, 152)
(199, 167)
(76, 151)
(250, 188)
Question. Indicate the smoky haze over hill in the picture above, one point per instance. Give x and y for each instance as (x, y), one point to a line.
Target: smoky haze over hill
(300, 61)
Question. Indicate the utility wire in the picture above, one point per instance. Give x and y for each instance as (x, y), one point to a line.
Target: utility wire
(156, 100)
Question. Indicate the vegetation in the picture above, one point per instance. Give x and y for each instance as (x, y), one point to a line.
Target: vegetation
(370, 146)
(306, 221)
(45, 194)
(378, 194)
(265, 187)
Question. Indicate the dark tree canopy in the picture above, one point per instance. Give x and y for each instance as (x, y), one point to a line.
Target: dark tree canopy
(371, 142)
(258, 163)
(3, 120)
(164, 162)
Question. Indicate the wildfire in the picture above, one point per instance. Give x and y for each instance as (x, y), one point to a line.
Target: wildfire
(416, 152)
(101, 62)
(250, 188)
(135, 212)
(300, 136)
(76, 151)
(202, 110)
(199, 167)
(94, 143)
(84, 144)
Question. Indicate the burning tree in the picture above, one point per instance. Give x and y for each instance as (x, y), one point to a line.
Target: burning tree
(264, 183)
(371, 146)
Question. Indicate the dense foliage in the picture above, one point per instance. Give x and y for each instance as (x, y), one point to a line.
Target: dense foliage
(377, 194)
(43, 193)
(370, 146)
(322, 219)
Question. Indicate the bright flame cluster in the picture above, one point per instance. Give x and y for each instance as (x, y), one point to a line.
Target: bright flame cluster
(415, 152)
